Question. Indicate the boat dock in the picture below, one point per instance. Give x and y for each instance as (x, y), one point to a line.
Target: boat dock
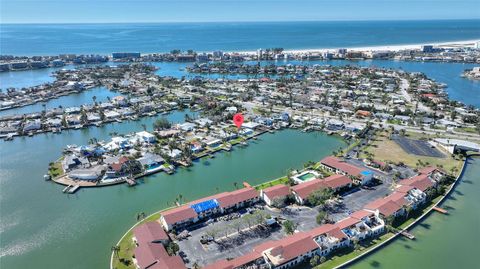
(407, 235)
(74, 189)
(441, 210)
(131, 181)
(66, 188)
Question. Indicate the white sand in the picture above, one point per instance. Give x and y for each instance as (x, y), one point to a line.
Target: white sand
(463, 43)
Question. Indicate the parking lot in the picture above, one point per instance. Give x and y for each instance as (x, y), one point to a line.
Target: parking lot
(237, 244)
(232, 246)
(417, 147)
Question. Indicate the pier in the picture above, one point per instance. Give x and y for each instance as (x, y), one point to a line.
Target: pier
(407, 234)
(440, 210)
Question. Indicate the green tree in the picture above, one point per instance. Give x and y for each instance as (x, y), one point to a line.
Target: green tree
(289, 226)
(162, 124)
(172, 248)
(319, 197)
(315, 260)
(321, 217)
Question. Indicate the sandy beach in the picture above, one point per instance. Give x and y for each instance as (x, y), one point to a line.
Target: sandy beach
(450, 44)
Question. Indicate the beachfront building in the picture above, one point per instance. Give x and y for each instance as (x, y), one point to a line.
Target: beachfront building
(199, 210)
(277, 192)
(360, 176)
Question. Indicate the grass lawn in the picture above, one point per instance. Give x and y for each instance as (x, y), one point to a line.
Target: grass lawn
(467, 130)
(281, 180)
(384, 149)
(127, 246)
(56, 169)
(347, 254)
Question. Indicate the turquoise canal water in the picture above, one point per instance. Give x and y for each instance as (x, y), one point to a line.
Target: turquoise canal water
(460, 89)
(84, 98)
(442, 241)
(43, 228)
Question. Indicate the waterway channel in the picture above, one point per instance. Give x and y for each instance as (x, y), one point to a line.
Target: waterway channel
(43, 228)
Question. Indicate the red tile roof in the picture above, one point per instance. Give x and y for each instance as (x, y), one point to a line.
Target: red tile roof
(235, 263)
(337, 181)
(404, 188)
(421, 182)
(154, 256)
(149, 232)
(229, 199)
(178, 214)
(276, 191)
(290, 247)
(323, 229)
(386, 206)
(225, 199)
(305, 189)
(338, 164)
(347, 222)
(337, 233)
(360, 214)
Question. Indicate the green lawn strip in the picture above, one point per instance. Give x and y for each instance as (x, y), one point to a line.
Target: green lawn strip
(281, 180)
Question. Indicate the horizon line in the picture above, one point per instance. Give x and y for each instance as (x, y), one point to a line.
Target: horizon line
(241, 21)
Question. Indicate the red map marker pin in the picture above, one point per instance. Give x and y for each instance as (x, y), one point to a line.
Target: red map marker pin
(238, 120)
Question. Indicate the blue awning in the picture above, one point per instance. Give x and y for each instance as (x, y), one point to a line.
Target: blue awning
(205, 206)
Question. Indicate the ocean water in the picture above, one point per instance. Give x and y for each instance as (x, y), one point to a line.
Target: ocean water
(50, 39)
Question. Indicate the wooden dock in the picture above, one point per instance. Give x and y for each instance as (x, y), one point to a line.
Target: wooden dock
(131, 181)
(441, 210)
(407, 235)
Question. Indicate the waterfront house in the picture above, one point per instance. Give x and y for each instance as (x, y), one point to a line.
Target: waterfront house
(32, 125)
(275, 192)
(72, 161)
(123, 167)
(111, 114)
(145, 136)
(151, 160)
(74, 119)
(88, 174)
(54, 122)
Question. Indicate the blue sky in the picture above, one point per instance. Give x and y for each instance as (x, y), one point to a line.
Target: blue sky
(105, 11)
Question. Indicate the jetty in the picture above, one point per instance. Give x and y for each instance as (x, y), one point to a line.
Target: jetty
(131, 181)
(407, 234)
(441, 210)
